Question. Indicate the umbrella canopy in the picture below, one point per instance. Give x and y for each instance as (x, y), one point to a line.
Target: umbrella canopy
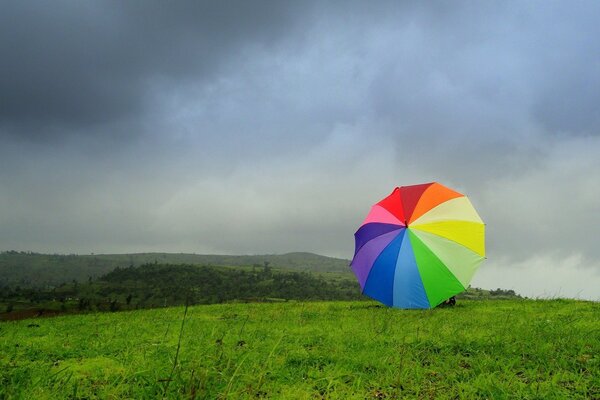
(419, 246)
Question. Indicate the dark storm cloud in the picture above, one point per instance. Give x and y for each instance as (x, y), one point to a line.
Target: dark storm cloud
(69, 65)
(488, 66)
(566, 61)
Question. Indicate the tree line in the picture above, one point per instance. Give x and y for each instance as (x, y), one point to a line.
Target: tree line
(160, 285)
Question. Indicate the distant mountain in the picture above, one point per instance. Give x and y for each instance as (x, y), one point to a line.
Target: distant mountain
(34, 269)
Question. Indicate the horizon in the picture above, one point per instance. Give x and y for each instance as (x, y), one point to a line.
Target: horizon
(544, 296)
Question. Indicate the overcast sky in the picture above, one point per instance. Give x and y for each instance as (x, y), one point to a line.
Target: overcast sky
(241, 127)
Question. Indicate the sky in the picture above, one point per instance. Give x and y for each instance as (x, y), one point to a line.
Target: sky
(238, 127)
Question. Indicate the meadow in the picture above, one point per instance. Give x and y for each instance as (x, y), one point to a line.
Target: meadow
(513, 349)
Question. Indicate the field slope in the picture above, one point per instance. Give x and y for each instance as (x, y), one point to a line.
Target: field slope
(340, 350)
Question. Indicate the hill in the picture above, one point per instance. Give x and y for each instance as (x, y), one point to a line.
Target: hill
(513, 349)
(34, 269)
(162, 285)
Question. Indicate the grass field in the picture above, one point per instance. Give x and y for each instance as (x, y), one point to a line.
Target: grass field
(341, 350)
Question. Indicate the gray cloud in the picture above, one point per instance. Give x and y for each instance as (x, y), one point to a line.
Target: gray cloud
(272, 127)
(71, 65)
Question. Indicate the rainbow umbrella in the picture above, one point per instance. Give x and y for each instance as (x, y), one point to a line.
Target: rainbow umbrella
(419, 246)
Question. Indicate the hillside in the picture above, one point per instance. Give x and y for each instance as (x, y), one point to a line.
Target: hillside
(34, 269)
(163, 285)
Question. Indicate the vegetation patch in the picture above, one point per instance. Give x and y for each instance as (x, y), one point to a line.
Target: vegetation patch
(164, 285)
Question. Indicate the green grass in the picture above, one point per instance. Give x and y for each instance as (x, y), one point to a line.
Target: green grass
(341, 350)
